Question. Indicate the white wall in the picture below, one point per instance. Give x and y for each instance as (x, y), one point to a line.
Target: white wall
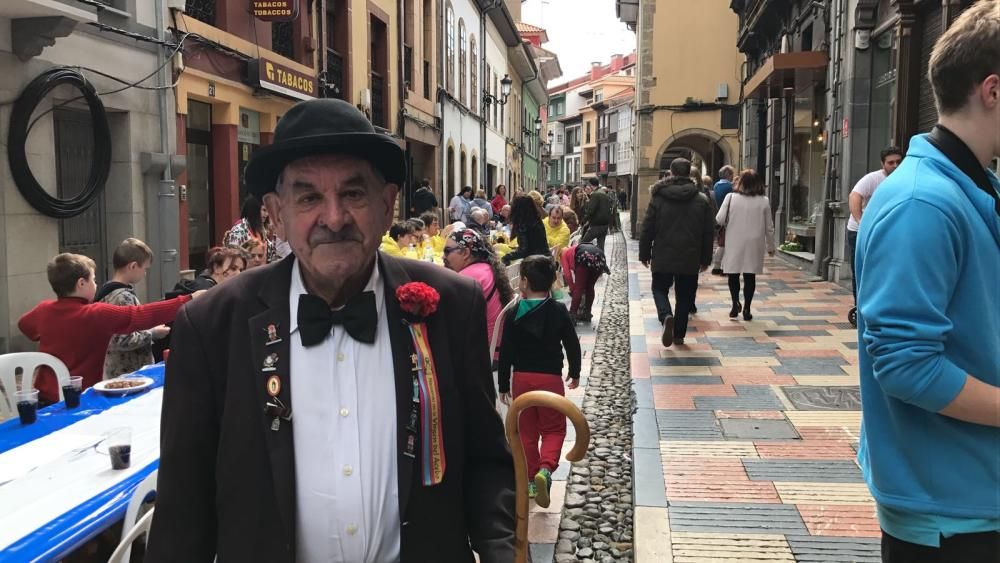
(496, 146)
(461, 128)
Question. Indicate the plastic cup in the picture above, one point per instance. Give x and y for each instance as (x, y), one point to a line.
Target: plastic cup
(27, 405)
(71, 392)
(119, 444)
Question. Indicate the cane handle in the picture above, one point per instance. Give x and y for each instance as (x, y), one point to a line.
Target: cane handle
(548, 400)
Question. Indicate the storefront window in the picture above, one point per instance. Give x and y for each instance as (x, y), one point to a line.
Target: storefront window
(805, 202)
(883, 97)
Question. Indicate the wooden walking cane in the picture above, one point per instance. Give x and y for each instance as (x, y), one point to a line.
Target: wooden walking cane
(551, 401)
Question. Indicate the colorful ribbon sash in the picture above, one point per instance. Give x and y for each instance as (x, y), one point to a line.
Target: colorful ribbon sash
(426, 391)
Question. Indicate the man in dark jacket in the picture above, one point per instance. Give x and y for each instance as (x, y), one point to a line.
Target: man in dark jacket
(598, 215)
(424, 199)
(677, 239)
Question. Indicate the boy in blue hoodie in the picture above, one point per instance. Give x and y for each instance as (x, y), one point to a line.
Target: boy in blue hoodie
(928, 261)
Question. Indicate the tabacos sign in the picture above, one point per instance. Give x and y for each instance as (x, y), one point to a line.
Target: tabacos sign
(275, 10)
(278, 78)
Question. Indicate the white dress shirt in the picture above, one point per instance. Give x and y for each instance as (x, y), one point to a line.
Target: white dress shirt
(344, 428)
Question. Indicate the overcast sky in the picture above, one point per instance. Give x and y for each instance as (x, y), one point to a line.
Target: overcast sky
(580, 32)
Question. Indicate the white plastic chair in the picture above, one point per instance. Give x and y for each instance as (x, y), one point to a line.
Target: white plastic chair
(28, 362)
(142, 490)
(124, 549)
(511, 306)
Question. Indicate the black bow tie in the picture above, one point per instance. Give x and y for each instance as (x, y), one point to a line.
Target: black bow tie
(359, 317)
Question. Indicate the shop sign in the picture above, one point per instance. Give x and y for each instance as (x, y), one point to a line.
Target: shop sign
(275, 10)
(278, 78)
(248, 130)
(604, 166)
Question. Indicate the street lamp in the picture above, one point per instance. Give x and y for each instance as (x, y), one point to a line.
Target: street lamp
(551, 137)
(538, 124)
(488, 98)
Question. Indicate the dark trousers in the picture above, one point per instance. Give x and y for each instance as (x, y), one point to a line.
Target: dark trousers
(687, 285)
(852, 247)
(599, 232)
(983, 547)
(749, 287)
(583, 290)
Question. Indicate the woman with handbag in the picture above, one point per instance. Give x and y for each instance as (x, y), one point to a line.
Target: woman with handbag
(749, 232)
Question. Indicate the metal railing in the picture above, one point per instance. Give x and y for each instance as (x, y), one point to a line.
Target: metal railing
(282, 39)
(335, 73)
(201, 10)
(590, 167)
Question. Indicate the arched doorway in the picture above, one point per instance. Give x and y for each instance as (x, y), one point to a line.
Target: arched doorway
(707, 150)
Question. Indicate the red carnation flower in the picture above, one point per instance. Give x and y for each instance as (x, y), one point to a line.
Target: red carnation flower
(418, 299)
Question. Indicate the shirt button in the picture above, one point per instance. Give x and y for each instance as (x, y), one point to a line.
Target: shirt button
(340, 357)
(344, 412)
(352, 529)
(348, 470)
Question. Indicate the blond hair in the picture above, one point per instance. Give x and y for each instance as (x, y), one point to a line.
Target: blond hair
(65, 270)
(967, 53)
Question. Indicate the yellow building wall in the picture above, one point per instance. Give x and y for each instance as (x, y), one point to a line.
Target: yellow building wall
(360, 53)
(690, 48)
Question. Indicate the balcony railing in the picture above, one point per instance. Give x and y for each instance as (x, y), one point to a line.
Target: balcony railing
(335, 74)
(282, 39)
(613, 137)
(612, 168)
(378, 100)
(590, 168)
(201, 10)
(602, 134)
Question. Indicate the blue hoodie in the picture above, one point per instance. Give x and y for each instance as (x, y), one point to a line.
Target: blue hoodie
(928, 266)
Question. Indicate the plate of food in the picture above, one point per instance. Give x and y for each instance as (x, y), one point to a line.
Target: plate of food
(123, 385)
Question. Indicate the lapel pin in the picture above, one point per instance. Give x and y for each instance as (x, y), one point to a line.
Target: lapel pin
(272, 335)
(274, 386)
(270, 362)
(411, 446)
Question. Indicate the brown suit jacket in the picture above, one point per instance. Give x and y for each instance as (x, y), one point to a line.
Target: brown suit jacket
(227, 480)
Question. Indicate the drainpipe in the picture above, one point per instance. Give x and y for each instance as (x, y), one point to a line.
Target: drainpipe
(165, 236)
(443, 159)
(404, 191)
(530, 128)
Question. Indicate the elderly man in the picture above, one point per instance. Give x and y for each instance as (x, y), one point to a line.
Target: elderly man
(321, 408)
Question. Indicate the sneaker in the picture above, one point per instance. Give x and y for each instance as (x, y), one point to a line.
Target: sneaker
(667, 338)
(694, 309)
(717, 271)
(679, 341)
(542, 484)
(532, 490)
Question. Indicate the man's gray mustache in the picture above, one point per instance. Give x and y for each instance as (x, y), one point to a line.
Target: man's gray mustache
(324, 236)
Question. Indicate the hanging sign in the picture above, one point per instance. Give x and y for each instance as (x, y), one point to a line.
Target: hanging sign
(275, 10)
(281, 79)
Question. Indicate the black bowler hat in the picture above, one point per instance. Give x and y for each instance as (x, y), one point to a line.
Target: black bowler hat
(324, 126)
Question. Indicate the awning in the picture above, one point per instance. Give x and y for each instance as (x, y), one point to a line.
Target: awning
(786, 71)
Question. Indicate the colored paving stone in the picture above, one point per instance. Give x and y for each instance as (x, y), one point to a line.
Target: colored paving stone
(758, 424)
(697, 547)
(742, 518)
(816, 549)
(824, 398)
(803, 470)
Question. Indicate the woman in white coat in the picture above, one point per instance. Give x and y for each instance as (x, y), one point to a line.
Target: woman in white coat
(746, 215)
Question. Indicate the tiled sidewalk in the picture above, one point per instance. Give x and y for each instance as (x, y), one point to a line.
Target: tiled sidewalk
(745, 437)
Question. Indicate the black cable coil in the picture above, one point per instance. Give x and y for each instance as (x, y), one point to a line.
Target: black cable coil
(20, 118)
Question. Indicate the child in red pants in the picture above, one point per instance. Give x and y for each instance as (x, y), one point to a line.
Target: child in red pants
(533, 343)
(583, 264)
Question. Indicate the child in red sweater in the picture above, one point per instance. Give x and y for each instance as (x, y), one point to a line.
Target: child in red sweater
(77, 331)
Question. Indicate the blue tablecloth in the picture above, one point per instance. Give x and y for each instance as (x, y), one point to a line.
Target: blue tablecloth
(68, 532)
(57, 416)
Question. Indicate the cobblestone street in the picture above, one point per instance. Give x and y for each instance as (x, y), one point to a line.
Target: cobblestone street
(745, 437)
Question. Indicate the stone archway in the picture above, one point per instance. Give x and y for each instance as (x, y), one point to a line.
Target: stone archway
(700, 146)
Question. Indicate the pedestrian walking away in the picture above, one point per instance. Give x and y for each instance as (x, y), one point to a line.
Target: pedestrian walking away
(720, 190)
(676, 244)
(746, 216)
(928, 261)
(532, 348)
(598, 215)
